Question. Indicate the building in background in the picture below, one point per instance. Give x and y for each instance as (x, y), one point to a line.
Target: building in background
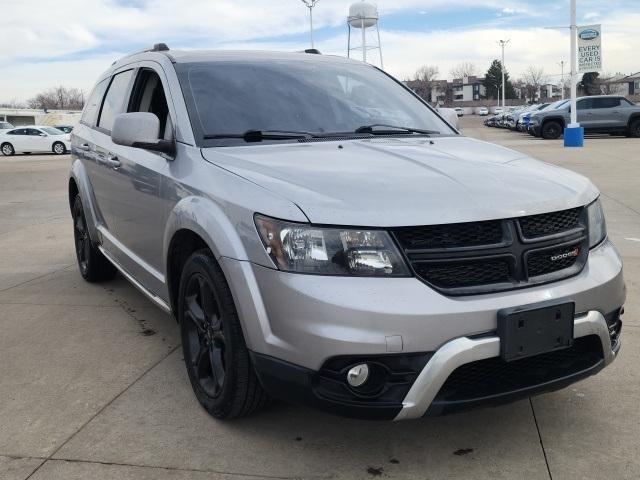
(28, 116)
(468, 89)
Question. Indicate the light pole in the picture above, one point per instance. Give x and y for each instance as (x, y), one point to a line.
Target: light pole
(310, 4)
(574, 133)
(574, 73)
(503, 43)
(561, 63)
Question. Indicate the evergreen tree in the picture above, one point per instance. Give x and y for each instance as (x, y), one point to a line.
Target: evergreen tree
(493, 82)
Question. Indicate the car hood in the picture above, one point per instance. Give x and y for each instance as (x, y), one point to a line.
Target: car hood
(405, 181)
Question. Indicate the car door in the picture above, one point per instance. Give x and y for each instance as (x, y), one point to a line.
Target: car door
(99, 145)
(585, 113)
(38, 141)
(138, 210)
(608, 114)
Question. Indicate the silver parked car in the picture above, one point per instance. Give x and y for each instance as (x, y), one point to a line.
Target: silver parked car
(322, 236)
(599, 114)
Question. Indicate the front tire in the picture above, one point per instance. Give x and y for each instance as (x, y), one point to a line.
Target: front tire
(59, 148)
(215, 353)
(7, 149)
(93, 265)
(551, 130)
(634, 129)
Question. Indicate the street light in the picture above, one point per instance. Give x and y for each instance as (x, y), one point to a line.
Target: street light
(561, 63)
(503, 43)
(310, 4)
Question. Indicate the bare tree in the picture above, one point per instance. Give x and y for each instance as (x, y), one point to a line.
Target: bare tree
(424, 80)
(464, 69)
(533, 79)
(13, 103)
(58, 98)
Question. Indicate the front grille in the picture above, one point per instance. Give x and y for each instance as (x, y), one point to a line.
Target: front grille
(489, 256)
(464, 274)
(453, 235)
(550, 223)
(494, 376)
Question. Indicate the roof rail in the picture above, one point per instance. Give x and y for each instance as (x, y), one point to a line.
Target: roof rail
(157, 47)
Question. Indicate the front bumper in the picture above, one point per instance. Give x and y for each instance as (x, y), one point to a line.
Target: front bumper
(306, 321)
(461, 351)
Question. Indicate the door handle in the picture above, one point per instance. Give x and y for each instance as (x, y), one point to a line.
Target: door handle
(84, 146)
(112, 161)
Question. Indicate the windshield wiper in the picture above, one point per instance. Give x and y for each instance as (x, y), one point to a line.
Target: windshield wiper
(382, 129)
(259, 135)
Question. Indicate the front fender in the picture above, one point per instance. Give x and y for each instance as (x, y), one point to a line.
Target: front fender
(208, 220)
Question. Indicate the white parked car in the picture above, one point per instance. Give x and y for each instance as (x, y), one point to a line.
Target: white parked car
(483, 111)
(459, 111)
(5, 125)
(498, 110)
(34, 139)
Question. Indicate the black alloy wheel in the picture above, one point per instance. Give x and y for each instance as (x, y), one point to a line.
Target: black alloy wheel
(205, 335)
(93, 265)
(215, 353)
(551, 130)
(81, 237)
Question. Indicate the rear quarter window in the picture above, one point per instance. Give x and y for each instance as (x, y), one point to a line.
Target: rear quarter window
(92, 108)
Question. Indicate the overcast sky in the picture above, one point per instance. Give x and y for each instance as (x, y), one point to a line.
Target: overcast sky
(70, 42)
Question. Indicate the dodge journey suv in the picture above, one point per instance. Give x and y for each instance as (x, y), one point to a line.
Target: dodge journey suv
(323, 236)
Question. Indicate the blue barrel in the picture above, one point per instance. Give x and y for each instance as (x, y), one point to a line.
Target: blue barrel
(574, 137)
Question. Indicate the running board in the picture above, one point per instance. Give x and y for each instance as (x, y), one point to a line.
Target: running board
(154, 298)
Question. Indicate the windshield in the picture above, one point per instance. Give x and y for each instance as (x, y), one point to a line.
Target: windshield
(320, 98)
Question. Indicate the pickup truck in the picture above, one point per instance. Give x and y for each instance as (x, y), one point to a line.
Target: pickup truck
(597, 114)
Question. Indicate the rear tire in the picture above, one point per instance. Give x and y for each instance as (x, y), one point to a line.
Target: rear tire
(7, 149)
(59, 148)
(215, 353)
(93, 265)
(634, 128)
(551, 130)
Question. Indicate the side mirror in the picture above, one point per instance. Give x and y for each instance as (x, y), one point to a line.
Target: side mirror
(140, 130)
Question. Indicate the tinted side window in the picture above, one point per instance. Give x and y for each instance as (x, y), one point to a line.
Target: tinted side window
(19, 131)
(33, 132)
(585, 104)
(606, 102)
(114, 101)
(92, 107)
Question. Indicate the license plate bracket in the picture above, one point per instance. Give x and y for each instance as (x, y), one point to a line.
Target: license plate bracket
(535, 329)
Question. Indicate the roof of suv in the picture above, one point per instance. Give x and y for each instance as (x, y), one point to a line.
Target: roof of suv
(187, 56)
(191, 56)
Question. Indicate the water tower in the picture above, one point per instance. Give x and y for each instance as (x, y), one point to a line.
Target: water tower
(364, 15)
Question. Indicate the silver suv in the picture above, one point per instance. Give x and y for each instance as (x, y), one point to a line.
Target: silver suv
(323, 236)
(600, 114)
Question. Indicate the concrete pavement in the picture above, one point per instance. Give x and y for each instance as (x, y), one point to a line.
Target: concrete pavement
(92, 382)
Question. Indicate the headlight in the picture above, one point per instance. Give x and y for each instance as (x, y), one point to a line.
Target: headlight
(304, 248)
(597, 225)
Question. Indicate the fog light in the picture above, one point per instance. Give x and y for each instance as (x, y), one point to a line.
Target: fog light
(358, 375)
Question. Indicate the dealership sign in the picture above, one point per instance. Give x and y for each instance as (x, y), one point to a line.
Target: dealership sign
(589, 48)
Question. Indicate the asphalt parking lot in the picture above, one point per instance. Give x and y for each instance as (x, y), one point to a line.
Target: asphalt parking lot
(92, 382)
